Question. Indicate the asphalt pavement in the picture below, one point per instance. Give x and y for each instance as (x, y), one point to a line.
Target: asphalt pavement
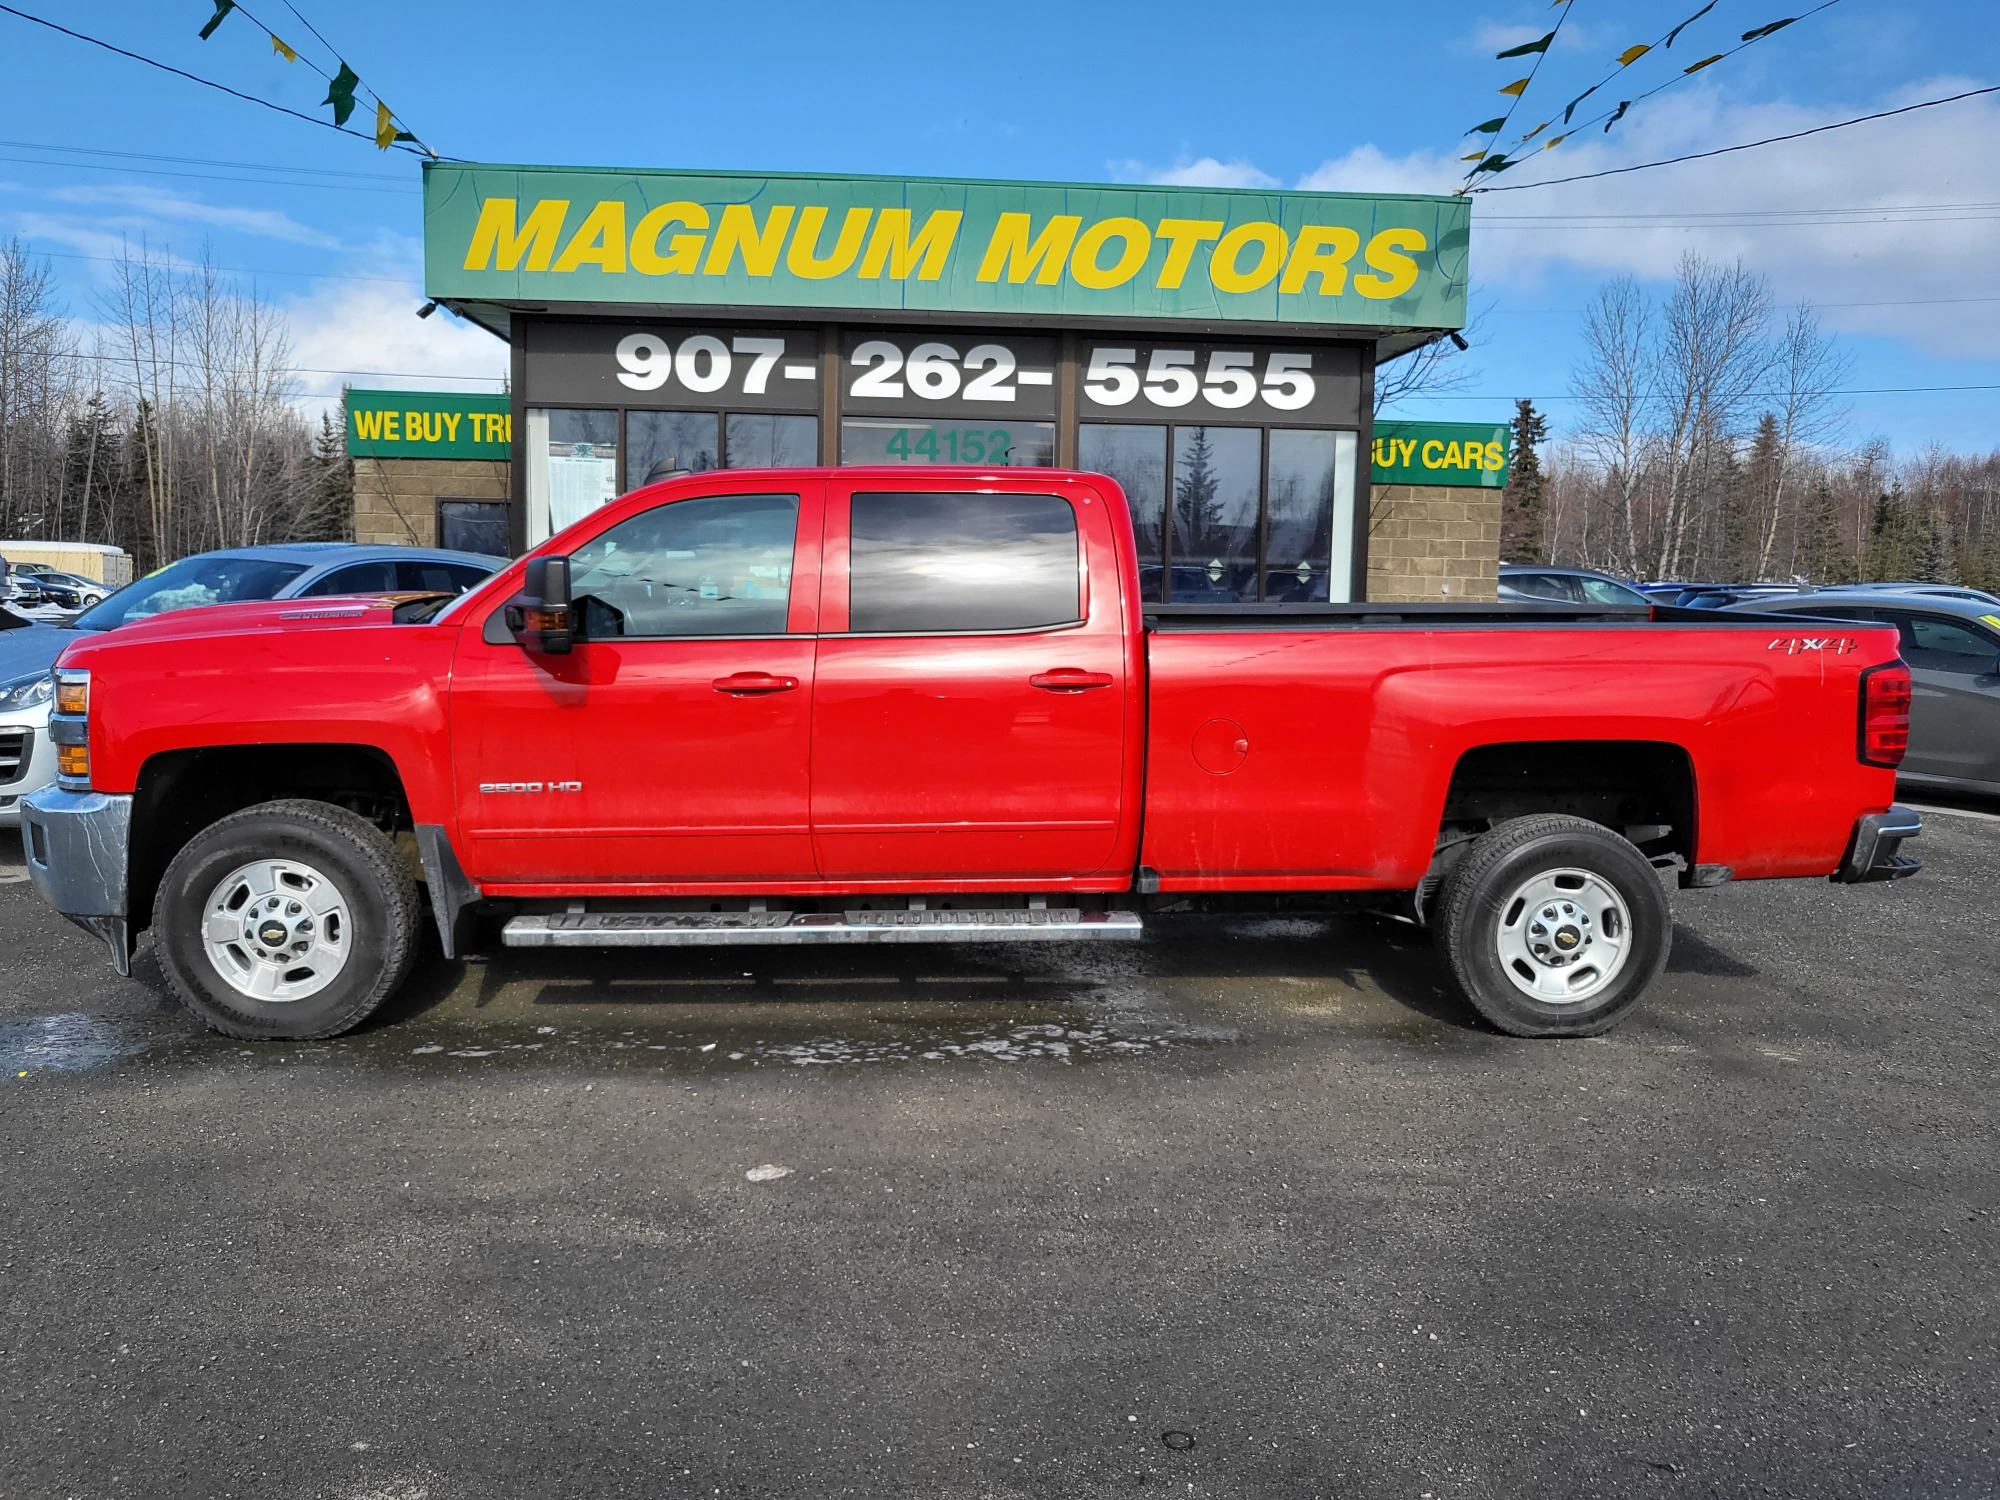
(1253, 1208)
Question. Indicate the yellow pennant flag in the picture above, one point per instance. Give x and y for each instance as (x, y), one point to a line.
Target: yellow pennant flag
(1476, 156)
(1702, 64)
(282, 50)
(1553, 141)
(1631, 55)
(385, 126)
(1516, 88)
(1536, 131)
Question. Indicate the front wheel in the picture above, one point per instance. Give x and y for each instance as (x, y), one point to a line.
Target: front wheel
(286, 921)
(1553, 926)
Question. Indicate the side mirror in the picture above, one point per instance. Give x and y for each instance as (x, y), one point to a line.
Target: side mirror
(539, 615)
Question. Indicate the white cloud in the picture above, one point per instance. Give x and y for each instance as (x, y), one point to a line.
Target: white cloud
(1767, 207)
(158, 203)
(358, 330)
(1189, 172)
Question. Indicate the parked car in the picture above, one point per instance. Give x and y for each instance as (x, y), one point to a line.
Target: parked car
(1941, 590)
(1952, 648)
(1531, 581)
(824, 705)
(302, 570)
(24, 590)
(28, 649)
(70, 590)
(294, 570)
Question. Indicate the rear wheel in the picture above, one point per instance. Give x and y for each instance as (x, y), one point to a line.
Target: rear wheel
(288, 920)
(1553, 926)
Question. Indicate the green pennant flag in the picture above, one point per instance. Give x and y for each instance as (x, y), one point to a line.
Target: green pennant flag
(1763, 31)
(1617, 114)
(1528, 47)
(1492, 164)
(1689, 22)
(222, 8)
(340, 93)
(1489, 128)
(1578, 100)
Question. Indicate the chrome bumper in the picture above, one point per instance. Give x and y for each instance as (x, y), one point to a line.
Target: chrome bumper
(1871, 855)
(78, 847)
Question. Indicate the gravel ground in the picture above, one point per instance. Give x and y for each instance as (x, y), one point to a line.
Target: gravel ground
(1250, 1209)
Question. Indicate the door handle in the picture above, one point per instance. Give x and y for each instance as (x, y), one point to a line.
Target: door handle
(1070, 680)
(754, 682)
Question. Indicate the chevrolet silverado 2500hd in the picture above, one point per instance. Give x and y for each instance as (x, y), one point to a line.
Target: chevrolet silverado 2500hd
(919, 705)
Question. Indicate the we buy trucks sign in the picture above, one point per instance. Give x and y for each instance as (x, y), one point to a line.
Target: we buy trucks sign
(428, 424)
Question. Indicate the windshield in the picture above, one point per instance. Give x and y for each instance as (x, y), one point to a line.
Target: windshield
(190, 582)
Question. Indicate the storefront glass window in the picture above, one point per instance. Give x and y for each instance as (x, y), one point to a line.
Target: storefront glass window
(572, 467)
(1135, 456)
(1309, 531)
(759, 440)
(1215, 497)
(660, 443)
(893, 440)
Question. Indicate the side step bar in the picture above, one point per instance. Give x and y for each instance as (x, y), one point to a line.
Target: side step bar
(645, 929)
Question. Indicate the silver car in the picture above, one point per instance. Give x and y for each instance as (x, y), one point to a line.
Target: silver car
(1952, 648)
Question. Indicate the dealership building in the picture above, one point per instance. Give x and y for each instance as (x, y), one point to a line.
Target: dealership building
(1213, 350)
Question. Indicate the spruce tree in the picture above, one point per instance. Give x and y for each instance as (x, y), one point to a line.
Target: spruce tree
(329, 515)
(1933, 556)
(1522, 522)
(1194, 490)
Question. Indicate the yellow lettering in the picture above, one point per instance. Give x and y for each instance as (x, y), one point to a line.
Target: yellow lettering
(1496, 457)
(498, 243)
(760, 247)
(451, 426)
(1409, 447)
(1379, 461)
(368, 425)
(803, 258)
(507, 427)
(1454, 456)
(599, 240)
(1222, 271)
(389, 432)
(1083, 264)
(683, 250)
(1009, 247)
(1325, 248)
(1182, 235)
(891, 244)
(1400, 272)
(1430, 462)
(413, 427)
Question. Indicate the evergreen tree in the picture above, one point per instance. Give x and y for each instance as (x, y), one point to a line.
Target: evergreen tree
(1823, 552)
(1891, 556)
(329, 513)
(93, 470)
(1933, 556)
(1194, 492)
(1522, 522)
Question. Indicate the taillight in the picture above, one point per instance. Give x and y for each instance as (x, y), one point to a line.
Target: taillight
(1885, 715)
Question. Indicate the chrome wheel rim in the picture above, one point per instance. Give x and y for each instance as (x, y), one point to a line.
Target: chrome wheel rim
(1564, 936)
(277, 930)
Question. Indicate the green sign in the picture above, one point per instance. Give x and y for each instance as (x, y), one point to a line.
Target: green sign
(1473, 454)
(428, 424)
(549, 235)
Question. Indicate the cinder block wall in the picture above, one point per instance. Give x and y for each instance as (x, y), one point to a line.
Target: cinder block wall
(1433, 544)
(395, 499)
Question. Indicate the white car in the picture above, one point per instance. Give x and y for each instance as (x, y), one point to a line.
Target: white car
(27, 758)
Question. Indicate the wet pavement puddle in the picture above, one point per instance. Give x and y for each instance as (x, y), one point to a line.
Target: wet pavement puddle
(69, 1042)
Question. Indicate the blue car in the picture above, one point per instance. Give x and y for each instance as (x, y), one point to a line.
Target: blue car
(298, 570)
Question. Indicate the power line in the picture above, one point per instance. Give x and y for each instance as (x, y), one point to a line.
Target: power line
(150, 362)
(1875, 390)
(1519, 187)
(99, 166)
(1526, 83)
(113, 260)
(197, 78)
(197, 161)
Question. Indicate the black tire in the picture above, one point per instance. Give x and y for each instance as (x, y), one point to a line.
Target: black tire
(354, 856)
(1469, 916)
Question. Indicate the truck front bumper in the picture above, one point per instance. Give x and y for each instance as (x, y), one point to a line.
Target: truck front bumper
(78, 846)
(1872, 852)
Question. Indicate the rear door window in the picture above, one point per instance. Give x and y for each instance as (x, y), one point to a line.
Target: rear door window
(922, 563)
(1546, 586)
(1941, 645)
(378, 577)
(427, 576)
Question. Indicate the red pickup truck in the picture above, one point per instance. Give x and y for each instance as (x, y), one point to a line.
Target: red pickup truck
(929, 705)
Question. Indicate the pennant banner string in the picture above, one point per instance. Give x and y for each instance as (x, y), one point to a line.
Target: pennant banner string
(1498, 162)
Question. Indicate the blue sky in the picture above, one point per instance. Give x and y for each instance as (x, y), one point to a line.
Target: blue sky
(1326, 95)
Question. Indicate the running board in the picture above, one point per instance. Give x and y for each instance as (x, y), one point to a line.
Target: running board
(647, 929)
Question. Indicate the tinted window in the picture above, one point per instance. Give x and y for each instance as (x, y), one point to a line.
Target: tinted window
(1604, 591)
(715, 566)
(962, 562)
(377, 577)
(424, 575)
(1544, 586)
(191, 582)
(1941, 645)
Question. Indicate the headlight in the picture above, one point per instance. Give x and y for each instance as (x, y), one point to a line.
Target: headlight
(27, 692)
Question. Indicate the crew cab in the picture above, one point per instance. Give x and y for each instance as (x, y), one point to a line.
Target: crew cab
(929, 705)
